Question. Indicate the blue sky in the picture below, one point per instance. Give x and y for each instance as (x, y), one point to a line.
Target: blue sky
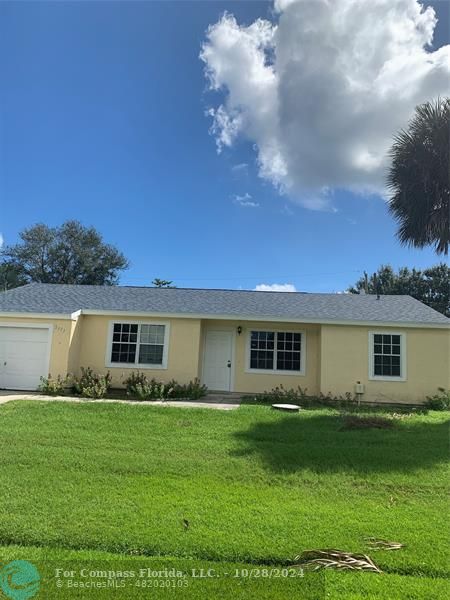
(102, 119)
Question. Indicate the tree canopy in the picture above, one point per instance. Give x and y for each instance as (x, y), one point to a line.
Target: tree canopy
(70, 253)
(430, 286)
(419, 178)
(162, 283)
(11, 276)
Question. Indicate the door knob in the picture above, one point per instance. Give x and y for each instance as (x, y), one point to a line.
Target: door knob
(229, 364)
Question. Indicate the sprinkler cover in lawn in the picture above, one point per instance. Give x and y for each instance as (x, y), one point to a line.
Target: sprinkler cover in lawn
(288, 407)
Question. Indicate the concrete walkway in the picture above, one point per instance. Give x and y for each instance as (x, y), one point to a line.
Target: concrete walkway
(209, 401)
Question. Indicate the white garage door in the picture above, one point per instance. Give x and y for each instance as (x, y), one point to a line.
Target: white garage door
(23, 357)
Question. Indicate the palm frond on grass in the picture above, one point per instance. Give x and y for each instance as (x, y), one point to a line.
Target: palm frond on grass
(335, 559)
(376, 544)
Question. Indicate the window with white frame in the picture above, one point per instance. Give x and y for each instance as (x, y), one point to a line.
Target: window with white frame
(387, 355)
(138, 344)
(276, 351)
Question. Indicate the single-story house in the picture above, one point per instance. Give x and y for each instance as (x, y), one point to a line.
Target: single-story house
(234, 341)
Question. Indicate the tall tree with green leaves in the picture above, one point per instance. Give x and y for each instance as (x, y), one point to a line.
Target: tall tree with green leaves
(430, 286)
(419, 178)
(71, 253)
(11, 276)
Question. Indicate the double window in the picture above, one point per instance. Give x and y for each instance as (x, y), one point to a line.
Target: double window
(141, 344)
(387, 356)
(276, 351)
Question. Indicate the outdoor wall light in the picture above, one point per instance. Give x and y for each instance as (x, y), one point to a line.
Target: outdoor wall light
(239, 330)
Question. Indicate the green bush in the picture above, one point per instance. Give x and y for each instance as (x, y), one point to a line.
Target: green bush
(440, 401)
(298, 395)
(138, 386)
(54, 387)
(192, 390)
(152, 390)
(282, 395)
(90, 384)
(134, 383)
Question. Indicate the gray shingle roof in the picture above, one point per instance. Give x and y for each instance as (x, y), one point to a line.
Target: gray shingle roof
(66, 299)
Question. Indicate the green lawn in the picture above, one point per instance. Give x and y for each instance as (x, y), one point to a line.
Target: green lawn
(113, 483)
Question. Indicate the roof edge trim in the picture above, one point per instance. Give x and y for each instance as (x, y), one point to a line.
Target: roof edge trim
(35, 315)
(269, 319)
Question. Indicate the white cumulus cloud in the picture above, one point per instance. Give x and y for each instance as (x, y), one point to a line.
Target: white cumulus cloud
(245, 200)
(275, 287)
(321, 91)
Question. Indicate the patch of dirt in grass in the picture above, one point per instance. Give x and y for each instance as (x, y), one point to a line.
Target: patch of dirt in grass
(366, 422)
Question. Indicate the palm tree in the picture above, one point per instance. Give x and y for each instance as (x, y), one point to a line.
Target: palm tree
(419, 178)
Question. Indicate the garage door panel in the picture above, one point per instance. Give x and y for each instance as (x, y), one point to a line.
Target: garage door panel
(23, 357)
(23, 334)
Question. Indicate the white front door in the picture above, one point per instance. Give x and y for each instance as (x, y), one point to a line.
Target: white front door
(217, 360)
(23, 357)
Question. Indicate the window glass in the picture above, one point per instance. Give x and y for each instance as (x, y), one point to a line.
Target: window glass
(386, 355)
(123, 348)
(150, 355)
(280, 351)
(133, 343)
(262, 350)
(152, 334)
(288, 351)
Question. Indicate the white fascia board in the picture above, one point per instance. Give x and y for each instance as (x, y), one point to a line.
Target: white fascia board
(32, 315)
(211, 317)
(262, 318)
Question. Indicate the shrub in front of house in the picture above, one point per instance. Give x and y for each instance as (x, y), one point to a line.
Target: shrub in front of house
(139, 387)
(440, 401)
(91, 384)
(299, 395)
(194, 390)
(134, 383)
(149, 390)
(282, 395)
(54, 387)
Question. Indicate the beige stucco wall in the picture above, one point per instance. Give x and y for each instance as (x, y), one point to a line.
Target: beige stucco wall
(259, 382)
(75, 345)
(336, 356)
(183, 356)
(345, 360)
(59, 353)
